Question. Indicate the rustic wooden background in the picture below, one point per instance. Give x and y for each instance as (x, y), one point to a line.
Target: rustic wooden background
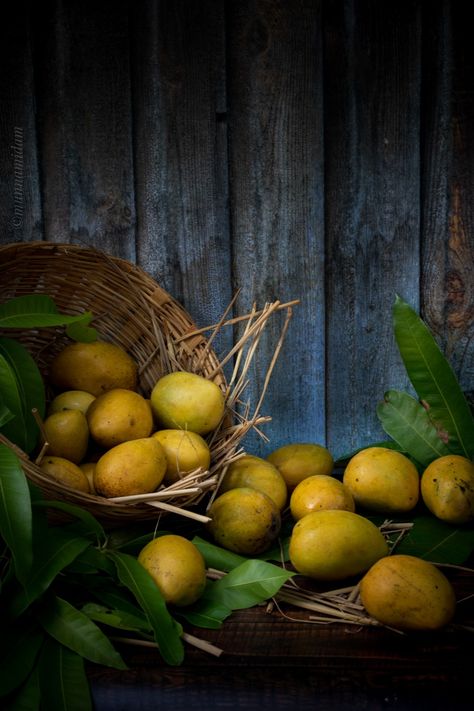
(312, 149)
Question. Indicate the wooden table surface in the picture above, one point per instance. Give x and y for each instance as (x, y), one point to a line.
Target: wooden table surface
(270, 661)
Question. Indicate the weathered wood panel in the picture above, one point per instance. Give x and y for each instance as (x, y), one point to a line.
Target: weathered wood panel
(320, 150)
(180, 149)
(372, 111)
(20, 202)
(84, 124)
(447, 240)
(277, 197)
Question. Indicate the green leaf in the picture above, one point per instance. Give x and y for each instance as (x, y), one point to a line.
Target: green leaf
(166, 630)
(26, 311)
(5, 414)
(117, 618)
(404, 419)
(89, 524)
(217, 557)
(15, 427)
(79, 330)
(30, 387)
(251, 583)
(52, 554)
(63, 681)
(434, 380)
(15, 512)
(28, 696)
(20, 645)
(206, 613)
(76, 631)
(437, 541)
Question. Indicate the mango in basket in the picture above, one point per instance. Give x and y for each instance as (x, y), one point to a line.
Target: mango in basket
(65, 472)
(134, 467)
(117, 416)
(94, 367)
(71, 400)
(256, 473)
(185, 452)
(67, 434)
(187, 401)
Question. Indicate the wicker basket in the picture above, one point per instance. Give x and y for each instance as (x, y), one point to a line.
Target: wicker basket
(132, 310)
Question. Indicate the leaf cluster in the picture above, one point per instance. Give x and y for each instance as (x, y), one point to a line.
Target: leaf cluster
(439, 421)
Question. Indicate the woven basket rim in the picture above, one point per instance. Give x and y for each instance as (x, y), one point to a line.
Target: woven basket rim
(167, 339)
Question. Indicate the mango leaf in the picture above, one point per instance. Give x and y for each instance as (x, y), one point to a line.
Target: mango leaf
(91, 561)
(251, 583)
(15, 512)
(404, 419)
(166, 630)
(75, 630)
(89, 524)
(437, 541)
(206, 613)
(79, 330)
(15, 427)
(63, 681)
(217, 557)
(54, 552)
(27, 697)
(434, 380)
(37, 311)
(5, 414)
(116, 618)
(30, 387)
(20, 647)
(114, 597)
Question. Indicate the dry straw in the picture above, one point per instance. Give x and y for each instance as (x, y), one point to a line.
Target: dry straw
(132, 310)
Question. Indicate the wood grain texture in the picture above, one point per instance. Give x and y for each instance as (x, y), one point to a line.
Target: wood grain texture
(319, 149)
(180, 149)
(447, 239)
(372, 105)
(20, 203)
(276, 189)
(272, 661)
(84, 124)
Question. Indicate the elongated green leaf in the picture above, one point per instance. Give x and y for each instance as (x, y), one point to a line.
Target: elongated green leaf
(28, 696)
(217, 557)
(251, 583)
(437, 541)
(63, 681)
(30, 384)
(91, 561)
(434, 380)
(52, 554)
(117, 618)
(20, 646)
(89, 524)
(76, 631)
(5, 414)
(166, 630)
(27, 307)
(206, 613)
(15, 512)
(79, 330)
(404, 419)
(114, 597)
(15, 428)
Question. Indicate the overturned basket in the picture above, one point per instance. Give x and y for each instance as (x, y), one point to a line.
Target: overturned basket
(133, 311)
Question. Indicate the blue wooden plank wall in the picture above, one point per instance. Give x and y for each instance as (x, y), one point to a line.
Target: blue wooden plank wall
(320, 150)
